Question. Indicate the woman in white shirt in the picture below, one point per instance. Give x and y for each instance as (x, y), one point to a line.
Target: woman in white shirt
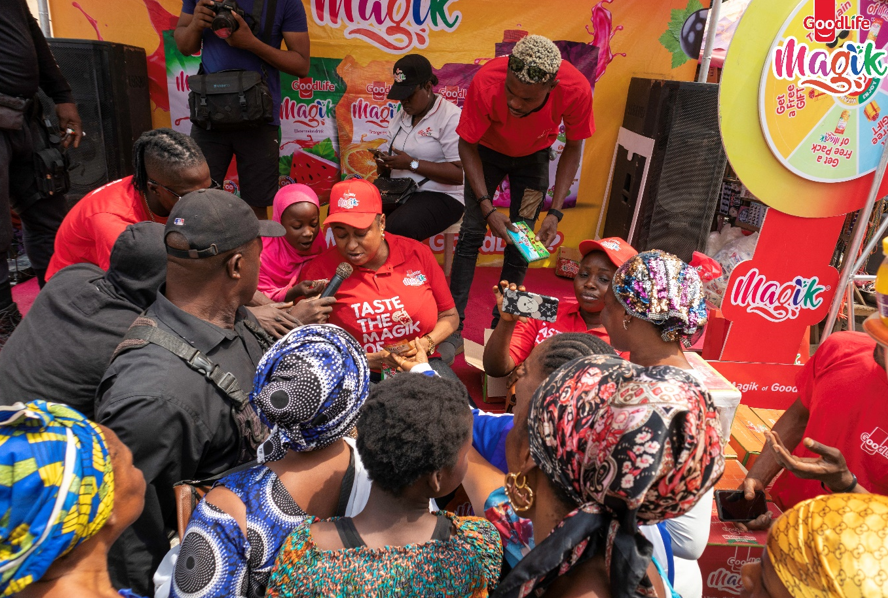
(422, 145)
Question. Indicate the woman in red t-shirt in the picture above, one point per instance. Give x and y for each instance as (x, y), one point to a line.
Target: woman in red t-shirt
(514, 338)
(397, 292)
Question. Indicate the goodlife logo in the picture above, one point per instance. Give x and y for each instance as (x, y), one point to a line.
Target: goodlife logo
(306, 86)
(379, 90)
(875, 442)
(843, 70)
(826, 20)
(774, 301)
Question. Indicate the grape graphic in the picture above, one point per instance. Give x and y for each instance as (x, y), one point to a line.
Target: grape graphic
(682, 27)
(692, 33)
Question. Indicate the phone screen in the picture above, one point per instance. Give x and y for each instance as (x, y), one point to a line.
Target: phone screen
(732, 506)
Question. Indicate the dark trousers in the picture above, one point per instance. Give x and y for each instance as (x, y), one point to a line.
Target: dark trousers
(425, 214)
(528, 183)
(41, 217)
(258, 154)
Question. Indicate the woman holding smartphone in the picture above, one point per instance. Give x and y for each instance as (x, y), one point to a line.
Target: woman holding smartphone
(422, 145)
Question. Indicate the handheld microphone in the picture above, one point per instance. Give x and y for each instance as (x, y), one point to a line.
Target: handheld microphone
(343, 271)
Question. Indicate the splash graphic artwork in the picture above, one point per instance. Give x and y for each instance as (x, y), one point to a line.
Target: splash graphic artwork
(161, 20)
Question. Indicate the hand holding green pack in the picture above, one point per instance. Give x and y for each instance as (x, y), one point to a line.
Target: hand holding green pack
(527, 243)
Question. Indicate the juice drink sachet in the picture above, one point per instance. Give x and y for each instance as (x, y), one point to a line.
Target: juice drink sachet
(364, 113)
(309, 135)
(882, 284)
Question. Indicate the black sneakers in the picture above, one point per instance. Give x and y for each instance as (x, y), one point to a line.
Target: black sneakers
(9, 319)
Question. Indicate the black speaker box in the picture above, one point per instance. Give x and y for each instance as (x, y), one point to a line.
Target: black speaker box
(676, 210)
(110, 86)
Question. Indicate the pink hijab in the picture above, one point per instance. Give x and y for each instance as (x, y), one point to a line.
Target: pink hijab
(281, 263)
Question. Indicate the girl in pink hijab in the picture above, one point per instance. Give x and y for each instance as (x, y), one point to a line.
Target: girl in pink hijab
(297, 208)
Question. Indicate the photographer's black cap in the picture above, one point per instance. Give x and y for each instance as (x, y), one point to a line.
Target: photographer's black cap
(215, 221)
(410, 72)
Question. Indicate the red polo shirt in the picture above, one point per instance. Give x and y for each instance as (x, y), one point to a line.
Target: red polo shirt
(528, 335)
(486, 117)
(92, 226)
(846, 392)
(401, 300)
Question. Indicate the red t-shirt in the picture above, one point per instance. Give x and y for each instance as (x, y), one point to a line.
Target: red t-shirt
(91, 228)
(528, 335)
(846, 393)
(486, 117)
(401, 300)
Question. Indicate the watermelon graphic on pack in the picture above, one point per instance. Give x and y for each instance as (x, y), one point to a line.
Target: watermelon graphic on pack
(318, 173)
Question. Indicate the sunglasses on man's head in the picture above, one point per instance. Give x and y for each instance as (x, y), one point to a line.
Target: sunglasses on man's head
(214, 184)
(533, 72)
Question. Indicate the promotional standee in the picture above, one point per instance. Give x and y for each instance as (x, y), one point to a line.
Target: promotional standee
(332, 117)
(816, 96)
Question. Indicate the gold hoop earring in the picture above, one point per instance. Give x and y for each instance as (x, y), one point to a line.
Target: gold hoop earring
(518, 489)
(625, 324)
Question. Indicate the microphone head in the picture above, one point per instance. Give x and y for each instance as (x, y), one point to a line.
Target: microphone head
(344, 270)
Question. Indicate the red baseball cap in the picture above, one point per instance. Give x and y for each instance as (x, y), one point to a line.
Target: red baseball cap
(355, 202)
(617, 250)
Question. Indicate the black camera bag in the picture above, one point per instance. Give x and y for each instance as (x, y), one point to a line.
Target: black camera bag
(232, 100)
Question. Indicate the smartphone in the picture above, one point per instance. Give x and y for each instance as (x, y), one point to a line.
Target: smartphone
(527, 244)
(530, 305)
(732, 506)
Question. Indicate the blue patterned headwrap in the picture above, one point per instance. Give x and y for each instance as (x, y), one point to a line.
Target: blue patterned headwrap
(56, 488)
(308, 389)
(660, 288)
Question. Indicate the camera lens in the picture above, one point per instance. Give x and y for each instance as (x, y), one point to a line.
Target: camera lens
(224, 24)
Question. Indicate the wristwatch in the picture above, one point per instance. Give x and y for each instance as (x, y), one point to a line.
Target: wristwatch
(414, 164)
(556, 213)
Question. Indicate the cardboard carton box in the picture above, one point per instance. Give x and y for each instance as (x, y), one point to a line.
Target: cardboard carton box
(730, 453)
(727, 550)
(495, 389)
(567, 262)
(768, 416)
(747, 435)
(734, 475)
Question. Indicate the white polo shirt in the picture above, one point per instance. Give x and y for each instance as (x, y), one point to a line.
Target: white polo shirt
(433, 139)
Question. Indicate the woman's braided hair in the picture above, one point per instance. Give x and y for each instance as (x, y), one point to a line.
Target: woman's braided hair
(565, 347)
(164, 148)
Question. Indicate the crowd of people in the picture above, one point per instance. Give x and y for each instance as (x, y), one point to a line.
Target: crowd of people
(181, 340)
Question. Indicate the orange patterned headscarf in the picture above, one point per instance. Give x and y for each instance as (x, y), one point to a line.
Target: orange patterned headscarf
(833, 546)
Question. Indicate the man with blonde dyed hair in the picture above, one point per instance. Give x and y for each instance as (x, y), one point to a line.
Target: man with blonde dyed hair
(511, 116)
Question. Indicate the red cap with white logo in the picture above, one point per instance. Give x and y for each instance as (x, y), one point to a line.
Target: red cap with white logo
(355, 202)
(617, 250)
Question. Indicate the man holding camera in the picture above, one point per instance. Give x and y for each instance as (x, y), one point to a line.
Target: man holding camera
(243, 36)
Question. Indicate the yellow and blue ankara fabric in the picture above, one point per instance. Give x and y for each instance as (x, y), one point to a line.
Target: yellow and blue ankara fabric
(56, 488)
(833, 546)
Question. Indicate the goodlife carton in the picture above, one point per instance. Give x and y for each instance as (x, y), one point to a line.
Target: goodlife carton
(495, 389)
(729, 548)
(747, 435)
(768, 416)
(567, 262)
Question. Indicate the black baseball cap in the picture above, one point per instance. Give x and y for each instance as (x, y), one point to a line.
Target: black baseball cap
(215, 221)
(410, 72)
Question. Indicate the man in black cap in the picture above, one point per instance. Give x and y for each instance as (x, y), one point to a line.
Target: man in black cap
(422, 145)
(175, 392)
(60, 351)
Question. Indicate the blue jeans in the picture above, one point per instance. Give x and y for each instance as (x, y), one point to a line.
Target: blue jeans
(528, 183)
